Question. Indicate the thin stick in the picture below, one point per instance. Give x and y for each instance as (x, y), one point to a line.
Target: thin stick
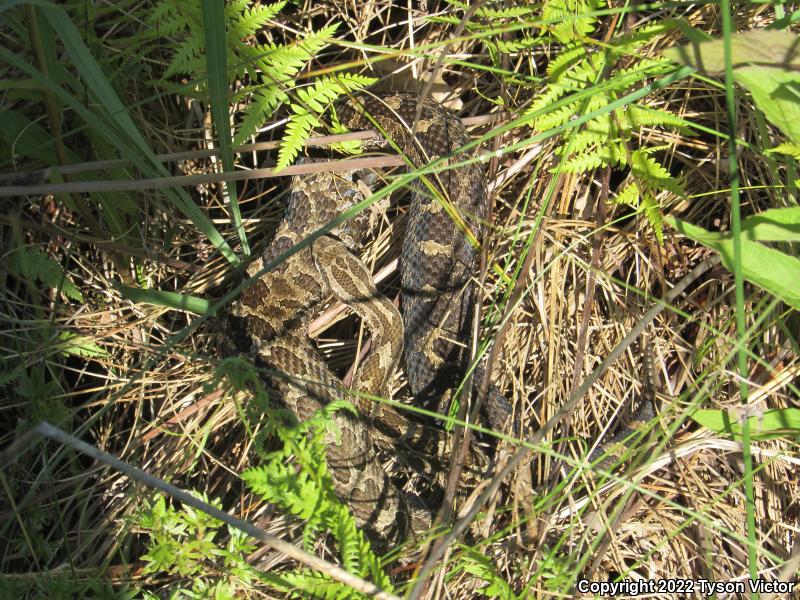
(46, 429)
(84, 187)
(98, 165)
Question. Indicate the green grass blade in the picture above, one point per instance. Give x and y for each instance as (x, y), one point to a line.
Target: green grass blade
(193, 304)
(771, 424)
(217, 68)
(738, 277)
(122, 131)
(768, 268)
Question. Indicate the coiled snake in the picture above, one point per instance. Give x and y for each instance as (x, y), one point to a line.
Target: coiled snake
(437, 299)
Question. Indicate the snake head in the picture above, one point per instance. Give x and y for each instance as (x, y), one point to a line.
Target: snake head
(358, 187)
(319, 198)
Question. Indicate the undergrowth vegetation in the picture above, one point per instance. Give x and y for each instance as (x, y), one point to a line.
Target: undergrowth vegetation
(628, 149)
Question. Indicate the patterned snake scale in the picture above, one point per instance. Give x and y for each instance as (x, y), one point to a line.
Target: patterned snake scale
(437, 297)
(438, 263)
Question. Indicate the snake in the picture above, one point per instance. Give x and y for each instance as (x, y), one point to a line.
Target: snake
(438, 259)
(429, 334)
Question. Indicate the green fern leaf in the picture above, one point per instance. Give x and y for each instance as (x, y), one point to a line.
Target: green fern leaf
(643, 68)
(78, 345)
(787, 149)
(443, 19)
(570, 18)
(629, 196)
(635, 116)
(168, 19)
(583, 163)
(567, 57)
(518, 45)
(188, 58)
(630, 43)
(654, 173)
(35, 265)
(472, 561)
(588, 137)
(313, 101)
(279, 64)
(646, 202)
(252, 18)
(262, 106)
(513, 12)
(654, 216)
(545, 100)
(556, 118)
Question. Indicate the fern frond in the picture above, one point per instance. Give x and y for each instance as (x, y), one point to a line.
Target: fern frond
(188, 58)
(169, 19)
(298, 130)
(609, 154)
(517, 45)
(513, 12)
(633, 41)
(250, 18)
(645, 202)
(263, 104)
(555, 118)
(581, 74)
(654, 173)
(316, 41)
(644, 67)
(593, 134)
(325, 90)
(545, 99)
(304, 583)
(569, 55)
(34, 265)
(787, 149)
(443, 19)
(312, 101)
(474, 562)
(570, 18)
(652, 212)
(582, 163)
(629, 196)
(635, 116)
(279, 64)
(304, 488)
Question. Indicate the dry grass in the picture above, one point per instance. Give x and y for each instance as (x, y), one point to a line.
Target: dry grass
(596, 271)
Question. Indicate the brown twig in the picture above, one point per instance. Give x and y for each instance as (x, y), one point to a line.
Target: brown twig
(43, 174)
(185, 180)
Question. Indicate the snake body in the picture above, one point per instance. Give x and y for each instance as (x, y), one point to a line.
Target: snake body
(437, 298)
(438, 261)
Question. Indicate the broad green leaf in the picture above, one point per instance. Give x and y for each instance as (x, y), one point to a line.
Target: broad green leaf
(777, 93)
(759, 48)
(779, 422)
(770, 269)
(193, 304)
(766, 62)
(773, 225)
